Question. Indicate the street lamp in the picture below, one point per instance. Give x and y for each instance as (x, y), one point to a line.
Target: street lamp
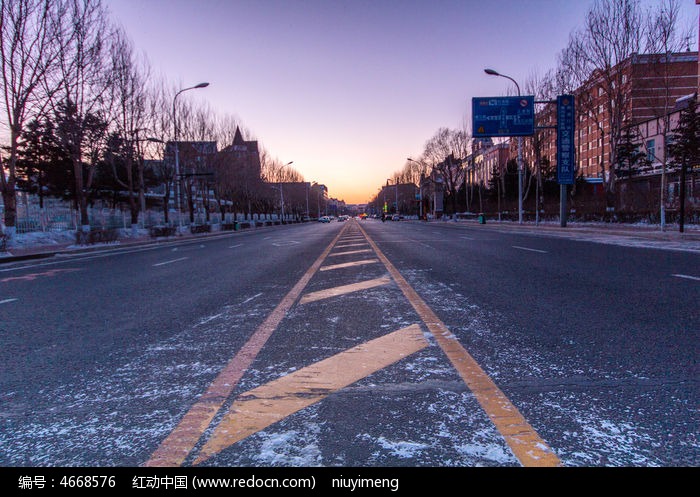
(177, 150)
(420, 188)
(281, 194)
(492, 72)
(396, 195)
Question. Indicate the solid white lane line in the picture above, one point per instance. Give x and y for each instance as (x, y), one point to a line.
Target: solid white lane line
(234, 246)
(687, 277)
(170, 262)
(530, 249)
(7, 301)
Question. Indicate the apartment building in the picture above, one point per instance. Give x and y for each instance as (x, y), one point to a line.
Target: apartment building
(639, 92)
(651, 85)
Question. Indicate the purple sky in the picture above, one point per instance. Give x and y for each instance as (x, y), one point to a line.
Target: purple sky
(349, 89)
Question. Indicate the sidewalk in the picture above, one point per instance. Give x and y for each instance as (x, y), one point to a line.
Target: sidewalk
(48, 247)
(635, 230)
(619, 234)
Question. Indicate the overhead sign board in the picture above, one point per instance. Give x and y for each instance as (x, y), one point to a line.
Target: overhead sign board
(566, 126)
(503, 116)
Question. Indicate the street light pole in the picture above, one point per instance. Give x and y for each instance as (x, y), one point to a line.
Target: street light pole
(420, 189)
(281, 194)
(396, 191)
(492, 72)
(396, 195)
(177, 150)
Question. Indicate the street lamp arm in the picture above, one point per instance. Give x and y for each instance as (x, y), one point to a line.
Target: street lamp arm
(492, 72)
(200, 85)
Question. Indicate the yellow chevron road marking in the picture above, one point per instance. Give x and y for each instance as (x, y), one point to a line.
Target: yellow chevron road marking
(349, 252)
(342, 290)
(259, 408)
(349, 264)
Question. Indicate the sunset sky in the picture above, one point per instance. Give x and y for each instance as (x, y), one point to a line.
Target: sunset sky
(349, 89)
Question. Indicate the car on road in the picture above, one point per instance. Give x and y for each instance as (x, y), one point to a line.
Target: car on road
(324, 219)
(395, 217)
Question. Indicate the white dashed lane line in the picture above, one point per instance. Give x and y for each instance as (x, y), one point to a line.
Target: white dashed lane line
(530, 249)
(7, 301)
(170, 262)
(686, 276)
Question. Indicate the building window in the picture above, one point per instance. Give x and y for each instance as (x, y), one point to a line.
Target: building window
(651, 150)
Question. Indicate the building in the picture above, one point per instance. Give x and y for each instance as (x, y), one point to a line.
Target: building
(243, 155)
(651, 84)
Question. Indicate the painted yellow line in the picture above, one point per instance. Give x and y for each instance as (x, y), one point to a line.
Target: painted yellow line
(349, 264)
(344, 289)
(265, 405)
(350, 252)
(351, 245)
(522, 439)
(181, 441)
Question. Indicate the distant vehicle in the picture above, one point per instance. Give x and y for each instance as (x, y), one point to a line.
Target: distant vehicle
(343, 218)
(324, 219)
(395, 217)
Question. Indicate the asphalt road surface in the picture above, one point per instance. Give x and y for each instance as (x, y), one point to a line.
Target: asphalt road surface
(353, 344)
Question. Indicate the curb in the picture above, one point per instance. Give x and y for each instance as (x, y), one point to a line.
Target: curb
(40, 254)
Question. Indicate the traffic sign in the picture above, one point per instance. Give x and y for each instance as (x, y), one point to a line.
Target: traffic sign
(566, 126)
(503, 116)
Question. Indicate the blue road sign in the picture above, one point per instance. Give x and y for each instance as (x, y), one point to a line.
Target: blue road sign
(503, 116)
(566, 127)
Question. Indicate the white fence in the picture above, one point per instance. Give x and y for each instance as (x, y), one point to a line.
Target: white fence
(57, 215)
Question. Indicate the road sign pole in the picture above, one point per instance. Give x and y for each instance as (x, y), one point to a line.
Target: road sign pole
(562, 205)
(566, 152)
(520, 180)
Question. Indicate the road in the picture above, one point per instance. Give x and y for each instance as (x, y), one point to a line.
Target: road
(362, 344)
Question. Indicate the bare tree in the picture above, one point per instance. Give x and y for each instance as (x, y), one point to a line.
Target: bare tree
(664, 36)
(84, 80)
(543, 88)
(160, 126)
(445, 152)
(128, 94)
(612, 32)
(197, 123)
(29, 48)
